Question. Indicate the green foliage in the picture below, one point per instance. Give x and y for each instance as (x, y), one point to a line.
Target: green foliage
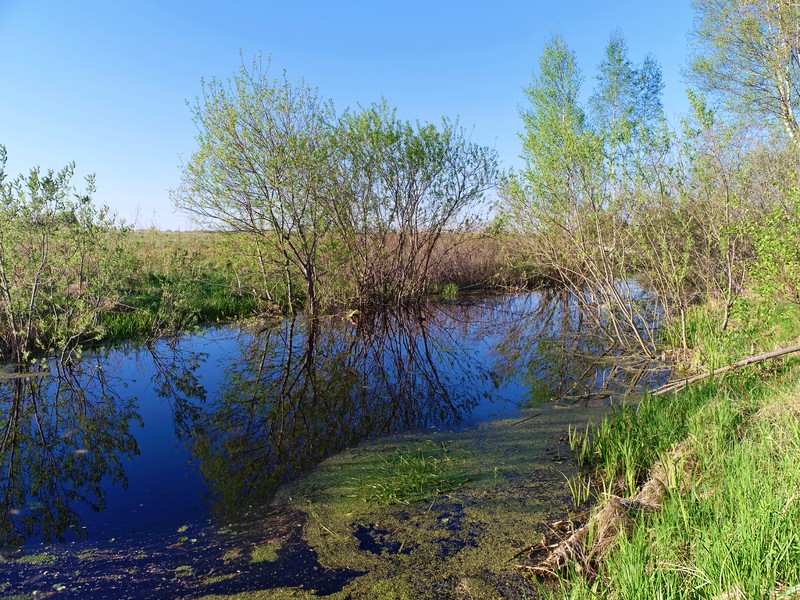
(37, 559)
(342, 209)
(776, 242)
(585, 180)
(266, 553)
(448, 291)
(577, 161)
(610, 191)
(557, 142)
(730, 452)
(733, 530)
(61, 263)
(746, 55)
(407, 190)
(627, 112)
(413, 474)
(627, 443)
(262, 167)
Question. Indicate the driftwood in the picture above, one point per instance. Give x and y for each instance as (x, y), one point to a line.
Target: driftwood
(677, 385)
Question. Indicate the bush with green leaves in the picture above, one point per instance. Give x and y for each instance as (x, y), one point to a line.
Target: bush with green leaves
(776, 244)
(60, 263)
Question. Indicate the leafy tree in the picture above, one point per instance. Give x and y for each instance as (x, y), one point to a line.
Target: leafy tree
(261, 167)
(359, 202)
(748, 54)
(405, 192)
(575, 197)
(627, 115)
(60, 263)
(560, 150)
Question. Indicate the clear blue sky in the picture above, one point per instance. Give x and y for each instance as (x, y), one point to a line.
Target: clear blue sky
(105, 83)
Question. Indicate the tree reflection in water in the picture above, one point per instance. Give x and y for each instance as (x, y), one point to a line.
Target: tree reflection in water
(302, 390)
(63, 439)
(549, 343)
(277, 403)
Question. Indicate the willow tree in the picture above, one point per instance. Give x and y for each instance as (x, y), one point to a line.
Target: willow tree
(405, 195)
(359, 203)
(748, 54)
(262, 167)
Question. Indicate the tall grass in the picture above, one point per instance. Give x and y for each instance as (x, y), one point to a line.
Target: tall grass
(185, 279)
(735, 531)
(729, 526)
(412, 474)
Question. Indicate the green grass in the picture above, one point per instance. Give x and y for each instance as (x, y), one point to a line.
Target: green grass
(184, 571)
(183, 280)
(176, 303)
(413, 474)
(447, 291)
(735, 532)
(268, 553)
(37, 559)
(730, 524)
(628, 441)
(754, 325)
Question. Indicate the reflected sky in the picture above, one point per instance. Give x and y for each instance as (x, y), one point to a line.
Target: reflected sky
(141, 440)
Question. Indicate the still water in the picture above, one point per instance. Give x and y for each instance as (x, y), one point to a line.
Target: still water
(130, 444)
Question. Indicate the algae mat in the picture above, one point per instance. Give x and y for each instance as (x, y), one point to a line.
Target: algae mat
(491, 493)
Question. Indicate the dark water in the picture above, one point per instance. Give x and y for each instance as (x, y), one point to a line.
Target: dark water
(151, 450)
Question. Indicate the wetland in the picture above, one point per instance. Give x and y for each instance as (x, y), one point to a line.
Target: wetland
(327, 456)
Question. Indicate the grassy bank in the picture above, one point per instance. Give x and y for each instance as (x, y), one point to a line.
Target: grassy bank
(726, 454)
(184, 279)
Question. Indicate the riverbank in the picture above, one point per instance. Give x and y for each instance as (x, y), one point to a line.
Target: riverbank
(182, 444)
(186, 279)
(150, 283)
(721, 465)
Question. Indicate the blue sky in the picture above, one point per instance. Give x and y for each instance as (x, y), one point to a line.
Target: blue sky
(106, 83)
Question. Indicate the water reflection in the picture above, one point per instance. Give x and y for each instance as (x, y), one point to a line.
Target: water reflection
(560, 354)
(231, 414)
(303, 390)
(64, 437)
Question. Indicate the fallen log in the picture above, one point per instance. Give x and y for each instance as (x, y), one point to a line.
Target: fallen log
(677, 385)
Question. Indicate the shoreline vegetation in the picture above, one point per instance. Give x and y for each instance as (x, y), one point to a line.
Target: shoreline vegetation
(162, 283)
(319, 212)
(693, 492)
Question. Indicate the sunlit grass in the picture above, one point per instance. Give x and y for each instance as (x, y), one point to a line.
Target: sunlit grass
(412, 474)
(729, 525)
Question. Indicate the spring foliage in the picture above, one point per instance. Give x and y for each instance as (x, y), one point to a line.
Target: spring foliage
(346, 209)
(59, 265)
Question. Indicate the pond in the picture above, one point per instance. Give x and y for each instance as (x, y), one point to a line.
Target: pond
(153, 465)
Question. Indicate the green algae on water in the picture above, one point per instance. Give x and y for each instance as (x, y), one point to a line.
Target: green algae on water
(455, 542)
(37, 559)
(266, 553)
